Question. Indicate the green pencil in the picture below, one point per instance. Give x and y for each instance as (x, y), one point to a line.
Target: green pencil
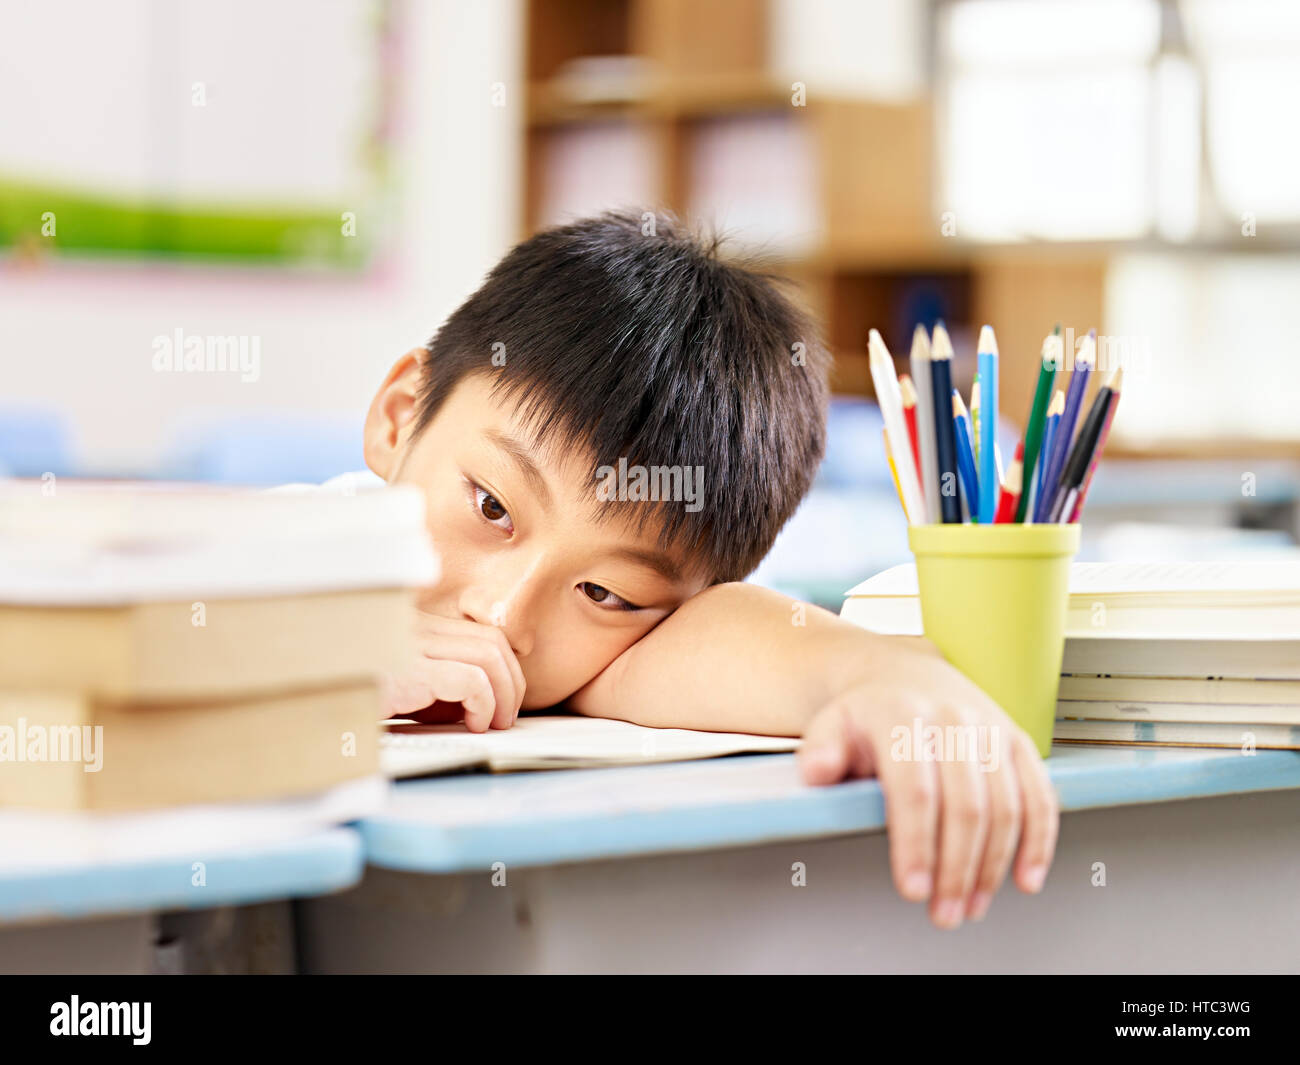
(1034, 430)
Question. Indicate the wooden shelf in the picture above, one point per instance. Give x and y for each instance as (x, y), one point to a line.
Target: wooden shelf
(699, 63)
(555, 103)
(1204, 449)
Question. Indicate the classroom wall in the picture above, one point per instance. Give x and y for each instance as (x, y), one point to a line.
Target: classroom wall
(77, 338)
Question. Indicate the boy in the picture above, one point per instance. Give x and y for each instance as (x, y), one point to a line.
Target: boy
(609, 434)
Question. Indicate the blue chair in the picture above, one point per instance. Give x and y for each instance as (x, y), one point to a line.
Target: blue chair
(32, 442)
(269, 449)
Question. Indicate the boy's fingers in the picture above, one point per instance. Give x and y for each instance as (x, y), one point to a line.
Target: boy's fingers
(489, 658)
(835, 746)
(823, 756)
(963, 830)
(438, 682)
(435, 625)
(1041, 817)
(912, 818)
(461, 682)
(1004, 829)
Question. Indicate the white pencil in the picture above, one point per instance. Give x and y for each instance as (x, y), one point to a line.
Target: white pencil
(925, 441)
(890, 398)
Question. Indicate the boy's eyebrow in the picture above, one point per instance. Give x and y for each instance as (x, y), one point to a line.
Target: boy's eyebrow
(521, 455)
(656, 560)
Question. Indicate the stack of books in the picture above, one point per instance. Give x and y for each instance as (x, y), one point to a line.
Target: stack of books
(1171, 654)
(169, 645)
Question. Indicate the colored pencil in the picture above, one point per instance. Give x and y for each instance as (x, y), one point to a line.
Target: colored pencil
(1115, 385)
(890, 399)
(975, 416)
(945, 434)
(966, 456)
(893, 472)
(1050, 424)
(1011, 488)
(1038, 411)
(909, 414)
(921, 376)
(1076, 464)
(988, 474)
(1084, 361)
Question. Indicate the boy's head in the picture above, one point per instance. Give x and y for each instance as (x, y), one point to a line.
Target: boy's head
(615, 420)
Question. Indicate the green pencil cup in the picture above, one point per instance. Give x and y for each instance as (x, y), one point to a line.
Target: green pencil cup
(993, 600)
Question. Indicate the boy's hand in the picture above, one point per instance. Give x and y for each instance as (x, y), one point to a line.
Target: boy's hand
(954, 824)
(462, 669)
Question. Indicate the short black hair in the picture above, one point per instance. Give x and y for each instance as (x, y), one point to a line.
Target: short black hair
(627, 336)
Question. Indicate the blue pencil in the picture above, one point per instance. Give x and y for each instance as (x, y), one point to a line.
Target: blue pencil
(945, 436)
(1050, 424)
(988, 471)
(966, 455)
(1083, 364)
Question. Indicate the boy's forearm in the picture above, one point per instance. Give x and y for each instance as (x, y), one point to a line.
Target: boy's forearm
(739, 658)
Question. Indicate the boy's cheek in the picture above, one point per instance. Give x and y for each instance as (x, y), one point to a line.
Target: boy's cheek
(553, 672)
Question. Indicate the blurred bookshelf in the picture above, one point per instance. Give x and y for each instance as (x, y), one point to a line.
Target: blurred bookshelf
(676, 104)
(668, 100)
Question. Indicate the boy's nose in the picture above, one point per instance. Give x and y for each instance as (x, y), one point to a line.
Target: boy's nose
(503, 610)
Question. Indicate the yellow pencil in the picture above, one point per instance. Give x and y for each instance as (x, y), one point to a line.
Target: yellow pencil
(889, 454)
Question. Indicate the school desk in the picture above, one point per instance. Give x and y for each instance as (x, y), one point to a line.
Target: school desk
(1170, 860)
(74, 916)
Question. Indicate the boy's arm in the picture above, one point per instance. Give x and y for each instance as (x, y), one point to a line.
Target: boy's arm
(741, 658)
(738, 658)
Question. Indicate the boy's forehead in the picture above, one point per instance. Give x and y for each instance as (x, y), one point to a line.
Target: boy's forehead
(502, 421)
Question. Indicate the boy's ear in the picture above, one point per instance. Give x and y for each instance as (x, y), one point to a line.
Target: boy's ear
(391, 414)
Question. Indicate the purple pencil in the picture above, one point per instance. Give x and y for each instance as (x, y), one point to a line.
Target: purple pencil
(1083, 364)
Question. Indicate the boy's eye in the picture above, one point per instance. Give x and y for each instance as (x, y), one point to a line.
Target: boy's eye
(492, 510)
(605, 597)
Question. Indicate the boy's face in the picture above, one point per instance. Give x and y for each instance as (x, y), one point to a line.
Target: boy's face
(518, 538)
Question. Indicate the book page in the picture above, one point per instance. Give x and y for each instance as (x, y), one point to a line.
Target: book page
(570, 741)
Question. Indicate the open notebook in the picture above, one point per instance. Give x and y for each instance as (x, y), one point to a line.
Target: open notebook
(555, 742)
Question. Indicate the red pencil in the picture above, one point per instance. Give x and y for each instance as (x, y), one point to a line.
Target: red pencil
(1114, 383)
(909, 414)
(1011, 485)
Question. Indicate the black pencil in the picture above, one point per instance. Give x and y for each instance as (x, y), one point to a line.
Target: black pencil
(945, 436)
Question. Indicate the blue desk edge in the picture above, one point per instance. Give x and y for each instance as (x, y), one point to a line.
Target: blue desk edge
(1085, 778)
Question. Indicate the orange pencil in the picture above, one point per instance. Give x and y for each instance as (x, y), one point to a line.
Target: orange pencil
(909, 415)
(1011, 486)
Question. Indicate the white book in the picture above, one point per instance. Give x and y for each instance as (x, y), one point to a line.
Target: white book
(1230, 657)
(555, 741)
(1142, 599)
(110, 544)
(1202, 713)
(1238, 620)
(1083, 687)
(1179, 734)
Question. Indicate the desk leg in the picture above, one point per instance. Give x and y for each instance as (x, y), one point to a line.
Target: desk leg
(106, 946)
(408, 923)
